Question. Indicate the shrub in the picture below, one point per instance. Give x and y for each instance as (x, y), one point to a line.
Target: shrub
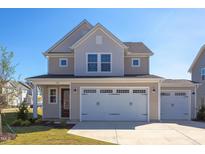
(38, 121)
(32, 120)
(23, 111)
(16, 122)
(25, 123)
(201, 113)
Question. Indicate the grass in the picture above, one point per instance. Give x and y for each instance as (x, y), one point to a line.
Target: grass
(44, 135)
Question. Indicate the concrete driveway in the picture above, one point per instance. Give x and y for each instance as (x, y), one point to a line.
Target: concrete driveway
(167, 133)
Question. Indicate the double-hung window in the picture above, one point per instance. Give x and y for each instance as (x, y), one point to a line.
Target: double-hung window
(105, 62)
(52, 96)
(203, 73)
(92, 62)
(99, 62)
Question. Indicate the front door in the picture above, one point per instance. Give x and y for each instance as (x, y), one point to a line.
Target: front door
(65, 103)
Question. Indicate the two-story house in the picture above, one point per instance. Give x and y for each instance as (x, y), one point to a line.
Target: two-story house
(197, 71)
(94, 76)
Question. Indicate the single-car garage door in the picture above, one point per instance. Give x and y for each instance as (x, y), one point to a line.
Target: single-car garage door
(175, 105)
(114, 104)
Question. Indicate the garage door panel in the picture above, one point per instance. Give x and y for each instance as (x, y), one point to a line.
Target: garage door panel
(175, 105)
(114, 104)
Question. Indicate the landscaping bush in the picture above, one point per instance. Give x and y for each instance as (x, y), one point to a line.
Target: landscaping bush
(38, 121)
(32, 120)
(201, 113)
(25, 123)
(16, 122)
(23, 111)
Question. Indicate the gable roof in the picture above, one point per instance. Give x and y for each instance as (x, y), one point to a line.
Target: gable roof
(202, 49)
(106, 31)
(68, 35)
(138, 47)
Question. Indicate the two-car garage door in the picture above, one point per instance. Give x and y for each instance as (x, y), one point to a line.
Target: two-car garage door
(114, 104)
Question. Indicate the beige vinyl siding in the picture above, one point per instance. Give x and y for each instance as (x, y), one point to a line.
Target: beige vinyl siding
(75, 96)
(196, 70)
(50, 110)
(53, 66)
(107, 46)
(143, 69)
(75, 36)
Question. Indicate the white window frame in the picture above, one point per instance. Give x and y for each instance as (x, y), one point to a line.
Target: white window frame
(60, 59)
(49, 95)
(99, 62)
(139, 62)
(202, 73)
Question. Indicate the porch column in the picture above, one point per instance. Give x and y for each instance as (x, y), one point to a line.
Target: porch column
(159, 100)
(35, 95)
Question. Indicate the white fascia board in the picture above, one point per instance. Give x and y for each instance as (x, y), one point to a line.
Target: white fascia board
(202, 49)
(92, 80)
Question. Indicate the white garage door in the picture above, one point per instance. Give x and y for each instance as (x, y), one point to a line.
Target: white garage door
(175, 105)
(114, 104)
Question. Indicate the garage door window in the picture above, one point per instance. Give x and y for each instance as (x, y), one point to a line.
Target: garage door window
(180, 94)
(122, 91)
(165, 94)
(139, 91)
(106, 91)
(88, 91)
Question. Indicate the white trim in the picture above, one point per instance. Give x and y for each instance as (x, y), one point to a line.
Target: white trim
(196, 58)
(189, 92)
(106, 32)
(63, 81)
(110, 87)
(98, 62)
(50, 88)
(60, 113)
(159, 101)
(59, 62)
(139, 62)
(195, 102)
(68, 34)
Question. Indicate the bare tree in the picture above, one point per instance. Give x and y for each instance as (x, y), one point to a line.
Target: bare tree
(7, 70)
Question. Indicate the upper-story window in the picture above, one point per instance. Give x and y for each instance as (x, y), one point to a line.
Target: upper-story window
(105, 62)
(99, 62)
(135, 62)
(203, 73)
(92, 62)
(63, 62)
(99, 39)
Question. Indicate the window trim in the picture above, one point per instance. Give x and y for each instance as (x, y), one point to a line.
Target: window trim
(59, 62)
(139, 62)
(202, 70)
(49, 95)
(99, 62)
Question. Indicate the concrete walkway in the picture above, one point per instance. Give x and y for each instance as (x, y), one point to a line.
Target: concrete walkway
(169, 133)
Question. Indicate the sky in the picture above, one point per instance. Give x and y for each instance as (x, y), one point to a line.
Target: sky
(174, 35)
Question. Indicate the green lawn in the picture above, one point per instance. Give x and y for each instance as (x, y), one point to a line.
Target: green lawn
(45, 135)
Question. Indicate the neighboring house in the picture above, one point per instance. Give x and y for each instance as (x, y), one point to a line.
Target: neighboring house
(94, 76)
(197, 71)
(23, 92)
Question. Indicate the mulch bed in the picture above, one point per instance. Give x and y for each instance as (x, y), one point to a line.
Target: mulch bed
(7, 136)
